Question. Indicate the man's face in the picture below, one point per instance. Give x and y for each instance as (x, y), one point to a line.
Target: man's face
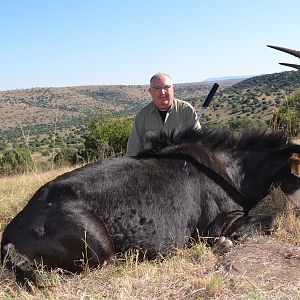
(162, 92)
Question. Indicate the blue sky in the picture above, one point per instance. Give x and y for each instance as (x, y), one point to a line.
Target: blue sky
(70, 42)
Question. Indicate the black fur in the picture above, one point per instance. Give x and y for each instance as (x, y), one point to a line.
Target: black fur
(193, 184)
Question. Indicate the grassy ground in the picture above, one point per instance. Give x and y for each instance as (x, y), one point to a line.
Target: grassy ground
(261, 268)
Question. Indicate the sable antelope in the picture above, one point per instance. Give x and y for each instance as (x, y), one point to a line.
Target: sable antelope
(197, 183)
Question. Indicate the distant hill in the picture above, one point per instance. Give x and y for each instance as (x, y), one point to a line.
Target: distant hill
(240, 78)
(41, 106)
(39, 111)
(257, 96)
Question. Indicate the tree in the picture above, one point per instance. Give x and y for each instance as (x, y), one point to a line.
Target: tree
(68, 156)
(107, 136)
(14, 161)
(287, 117)
(245, 123)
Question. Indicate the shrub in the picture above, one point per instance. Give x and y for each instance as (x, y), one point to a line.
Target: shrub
(245, 123)
(16, 160)
(287, 117)
(107, 136)
(67, 156)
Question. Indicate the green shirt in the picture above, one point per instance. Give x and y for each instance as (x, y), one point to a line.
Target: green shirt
(180, 116)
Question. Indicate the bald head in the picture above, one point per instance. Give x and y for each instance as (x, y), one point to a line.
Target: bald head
(158, 76)
(161, 90)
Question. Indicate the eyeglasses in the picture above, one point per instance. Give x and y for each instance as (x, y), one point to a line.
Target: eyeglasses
(161, 88)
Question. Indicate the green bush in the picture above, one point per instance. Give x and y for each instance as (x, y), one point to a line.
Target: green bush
(245, 123)
(67, 156)
(107, 136)
(287, 117)
(17, 160)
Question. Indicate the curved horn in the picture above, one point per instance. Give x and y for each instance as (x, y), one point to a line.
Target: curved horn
(286, 50)
(291, 65)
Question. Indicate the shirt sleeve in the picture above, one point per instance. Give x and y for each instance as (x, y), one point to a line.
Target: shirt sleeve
(192, 119)
(134, 143)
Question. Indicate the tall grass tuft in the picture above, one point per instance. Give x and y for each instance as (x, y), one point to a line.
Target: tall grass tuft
(17, 189)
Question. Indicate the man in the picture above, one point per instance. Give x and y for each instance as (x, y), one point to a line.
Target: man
(164, 113)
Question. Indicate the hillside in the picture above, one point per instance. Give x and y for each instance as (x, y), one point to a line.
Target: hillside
(257, 96)
(40, 106)
(40, 112)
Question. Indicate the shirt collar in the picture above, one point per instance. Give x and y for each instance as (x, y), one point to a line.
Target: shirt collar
(154, 108)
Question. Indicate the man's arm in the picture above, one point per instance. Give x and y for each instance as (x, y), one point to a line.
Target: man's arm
(192, 120)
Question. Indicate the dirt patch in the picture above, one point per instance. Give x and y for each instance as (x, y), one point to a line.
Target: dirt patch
(267, 264)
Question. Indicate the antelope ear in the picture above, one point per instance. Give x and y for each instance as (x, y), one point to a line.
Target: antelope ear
(294, 164)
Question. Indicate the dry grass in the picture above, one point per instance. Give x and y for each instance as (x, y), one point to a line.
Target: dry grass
(16, 190)
(286, 215)
(262, 268)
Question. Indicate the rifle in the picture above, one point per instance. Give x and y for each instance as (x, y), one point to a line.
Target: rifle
(207, 100)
